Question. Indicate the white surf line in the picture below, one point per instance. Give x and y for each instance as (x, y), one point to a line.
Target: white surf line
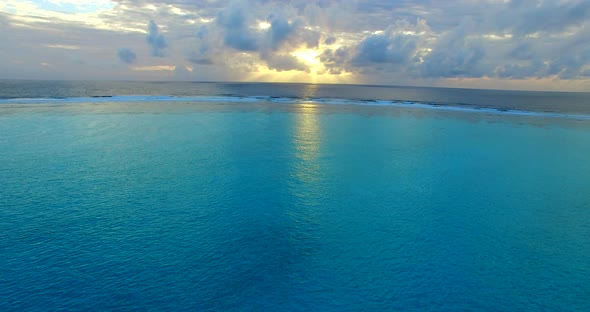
(288, 100)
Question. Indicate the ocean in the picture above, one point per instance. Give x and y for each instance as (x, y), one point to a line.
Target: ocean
(155, 196)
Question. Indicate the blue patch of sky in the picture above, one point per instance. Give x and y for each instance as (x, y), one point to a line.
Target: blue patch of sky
(71, 7)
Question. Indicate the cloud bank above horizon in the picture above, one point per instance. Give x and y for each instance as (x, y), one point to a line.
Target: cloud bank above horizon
(518, 44)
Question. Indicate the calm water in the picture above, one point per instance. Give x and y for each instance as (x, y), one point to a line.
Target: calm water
(161, 206)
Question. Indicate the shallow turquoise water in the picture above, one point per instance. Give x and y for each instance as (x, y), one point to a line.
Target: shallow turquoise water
(291, 207)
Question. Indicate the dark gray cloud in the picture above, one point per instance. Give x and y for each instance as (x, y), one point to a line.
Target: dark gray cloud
(201, 57)
(374, 49)
(455, 54)
(280, 30)
(381, 48)
(512, 71)
(570, 65)
(521, 51)
(202, 32)
(156, 40)
(237, 34)
(239, 30)
(330, 40)
(126, 55)
(335, 61)
(523, 17)
(391, 50)
(311, 38)
(284, 62)
(284, 32)
(200, 61)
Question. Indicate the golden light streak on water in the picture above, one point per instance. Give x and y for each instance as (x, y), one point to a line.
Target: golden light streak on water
(307, 140)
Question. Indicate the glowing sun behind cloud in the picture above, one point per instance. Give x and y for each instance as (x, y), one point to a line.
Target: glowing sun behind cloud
(309, 57)
(315, 71)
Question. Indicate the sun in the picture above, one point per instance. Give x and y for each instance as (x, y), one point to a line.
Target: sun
(310, 58)
(264, 25)
(315, 70)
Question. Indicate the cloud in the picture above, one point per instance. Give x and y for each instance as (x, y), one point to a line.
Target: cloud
(202, 32)
(280, 30)
(570, 65)
(237, 34)
(455, 55)
(521, 71)
(126, 55)
(330, 40)
(3, 20)
(285, 62)
(393, 49)
(200, 61)
(335, 61)
(240, 31)
(382, 41)
(525, 17)
(521, 51)
(156, 40)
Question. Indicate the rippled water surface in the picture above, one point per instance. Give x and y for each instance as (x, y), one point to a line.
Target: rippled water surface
(266, 207)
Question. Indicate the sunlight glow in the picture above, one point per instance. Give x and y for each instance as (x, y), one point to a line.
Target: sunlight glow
(178, 11)
(498, 36)
(310, 58)
(307, 141)
(62, 46)
(264, 25)
(316, 72)
(154, 68)
(265, 74)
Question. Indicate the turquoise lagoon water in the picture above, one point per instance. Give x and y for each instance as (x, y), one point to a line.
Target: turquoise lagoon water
(288, 207)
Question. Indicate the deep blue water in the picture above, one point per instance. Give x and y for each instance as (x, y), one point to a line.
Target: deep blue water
(162, 206)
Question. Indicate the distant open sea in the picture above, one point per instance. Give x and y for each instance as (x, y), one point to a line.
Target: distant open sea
(154, 196)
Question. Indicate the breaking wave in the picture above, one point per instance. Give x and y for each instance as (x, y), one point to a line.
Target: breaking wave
(289, 100)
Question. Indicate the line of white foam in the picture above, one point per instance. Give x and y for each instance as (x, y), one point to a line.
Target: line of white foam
(287, 100)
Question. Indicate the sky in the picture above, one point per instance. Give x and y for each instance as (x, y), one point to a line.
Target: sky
(500, 44)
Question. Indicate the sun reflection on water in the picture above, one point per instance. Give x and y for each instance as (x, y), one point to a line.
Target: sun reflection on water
(307, 143)
(307, 174)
